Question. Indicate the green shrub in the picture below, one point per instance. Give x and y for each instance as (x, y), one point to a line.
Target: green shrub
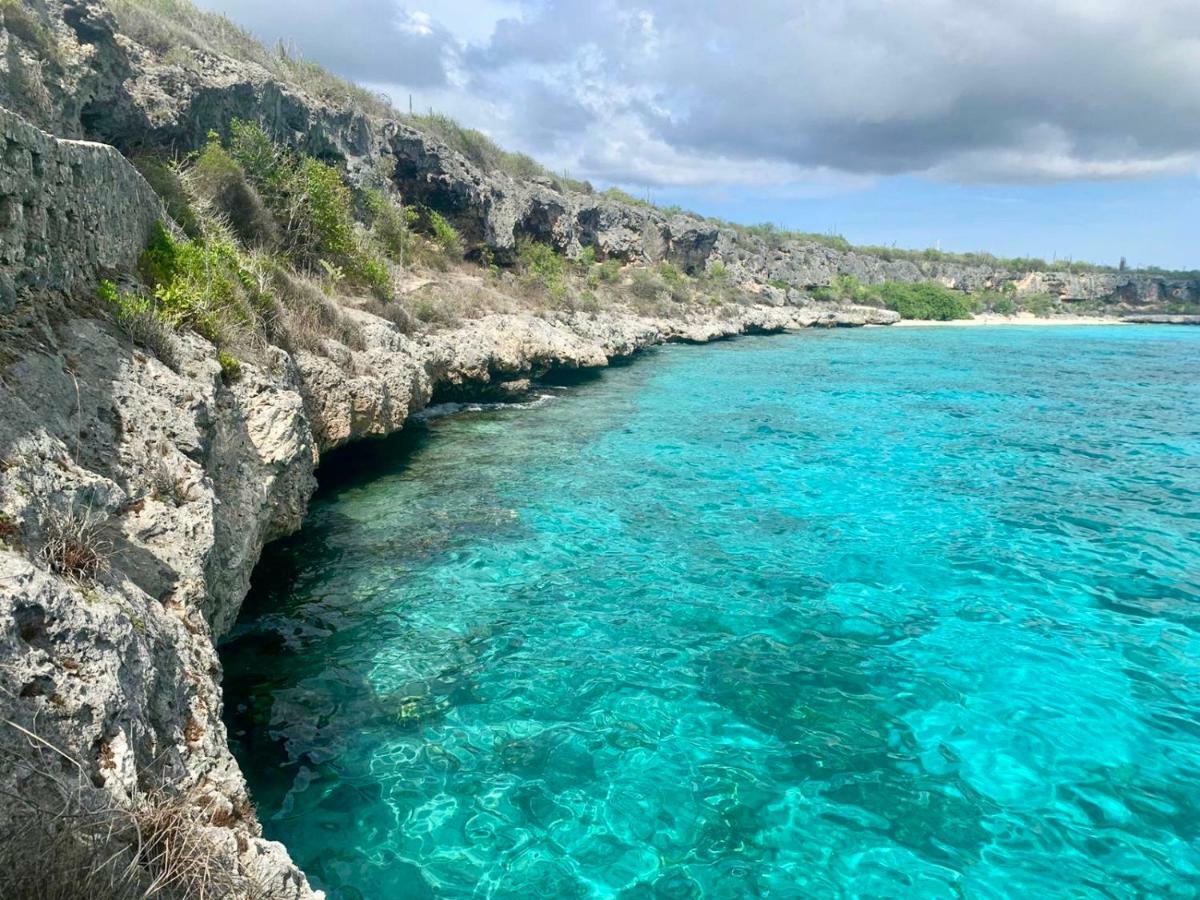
(218, 178)
(675, 282)
(1041, 305)
(158, 261)
(323, 220)
(620, 196)
(545, 265)
(717, 271)
(670, 273)
(846, 289)
(264, 162)
(374, 271)
(139, 318)
(231, 366)
(390, 225)
(1003, 305)
(445, 235)
(610, 271)
(312, 205)
(207, 285)
(923, 301)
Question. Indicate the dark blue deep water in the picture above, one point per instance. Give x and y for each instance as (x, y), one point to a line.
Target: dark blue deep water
(880, 613)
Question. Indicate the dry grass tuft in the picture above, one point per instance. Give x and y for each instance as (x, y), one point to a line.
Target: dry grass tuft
(311, 317)
(73, 544)
(64, 839)
(165, 484)
(394, 312)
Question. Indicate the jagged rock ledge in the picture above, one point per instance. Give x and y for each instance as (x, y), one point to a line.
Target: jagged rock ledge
(1162, 319)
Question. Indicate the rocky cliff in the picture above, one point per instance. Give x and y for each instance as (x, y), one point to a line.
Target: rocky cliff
(136, 493)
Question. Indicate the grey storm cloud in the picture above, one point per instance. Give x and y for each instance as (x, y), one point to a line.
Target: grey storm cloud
(968, 90)
(365, 40)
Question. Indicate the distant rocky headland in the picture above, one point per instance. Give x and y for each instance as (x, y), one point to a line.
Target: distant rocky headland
(217, 263)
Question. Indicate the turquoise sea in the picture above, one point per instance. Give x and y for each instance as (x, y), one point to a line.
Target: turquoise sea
(874, 613)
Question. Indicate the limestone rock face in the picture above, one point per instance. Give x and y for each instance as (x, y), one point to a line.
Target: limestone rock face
(183, 478)
(68, 211)
(1132, 289)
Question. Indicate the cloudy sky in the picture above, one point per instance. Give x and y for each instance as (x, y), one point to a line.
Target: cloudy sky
(1067, 128)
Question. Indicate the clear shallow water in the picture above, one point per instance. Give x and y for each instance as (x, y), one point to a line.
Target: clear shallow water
(868, 613)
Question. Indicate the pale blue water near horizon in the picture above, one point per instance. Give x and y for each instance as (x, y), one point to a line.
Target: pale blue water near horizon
(877, 613)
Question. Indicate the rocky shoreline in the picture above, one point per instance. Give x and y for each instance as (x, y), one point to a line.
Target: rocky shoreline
(176, 472)
(1161, 319)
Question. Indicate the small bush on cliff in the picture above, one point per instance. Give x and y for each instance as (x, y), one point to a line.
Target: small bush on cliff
(1001, 304)
(231, 366)
(678, 285)
(157, 263)
(309, 317)
(391, 225)
(619, 196)
(1041, 305)
(210, 286)
(846, 289)
(65, 839)
(164, 177)
(218, 178)
(139, 318)
(445, 235)
(320, 213)
(198, 285)
(542, 265)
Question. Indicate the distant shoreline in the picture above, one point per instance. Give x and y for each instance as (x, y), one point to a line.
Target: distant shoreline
(1019, 319)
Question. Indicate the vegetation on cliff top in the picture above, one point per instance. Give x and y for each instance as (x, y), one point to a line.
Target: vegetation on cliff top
(271, 245)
